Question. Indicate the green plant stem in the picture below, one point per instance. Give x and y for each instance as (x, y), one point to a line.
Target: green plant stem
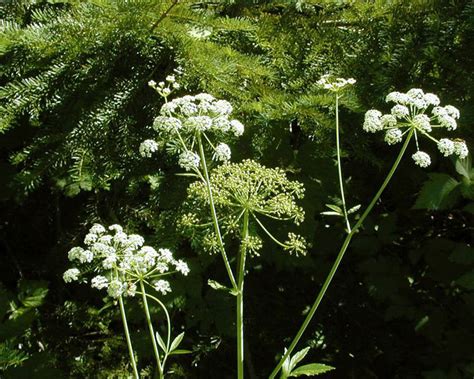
(240, 299)
(215, 221)
(168, 321)
(150, 328)
(127, 337)
(339, 168)
(339, 257)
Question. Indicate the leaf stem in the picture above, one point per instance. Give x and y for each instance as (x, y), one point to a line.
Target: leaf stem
(127, 337)
(340, 255)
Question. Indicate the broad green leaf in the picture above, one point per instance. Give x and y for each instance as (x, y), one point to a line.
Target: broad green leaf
(464, 167)
(176, 341)
(311, 369)
(437, 193)
(298, 357)
(161, 342)
(467, 280)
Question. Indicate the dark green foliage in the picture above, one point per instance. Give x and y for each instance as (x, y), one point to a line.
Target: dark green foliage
(75, 105)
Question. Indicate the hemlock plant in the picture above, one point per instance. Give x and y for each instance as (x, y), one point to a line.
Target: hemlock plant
(233, 202)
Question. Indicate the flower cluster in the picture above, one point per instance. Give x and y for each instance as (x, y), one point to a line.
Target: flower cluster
(334, 84)
(421, 113)
(183, 120)
(119, 261)
(165, 89)
(239, 188)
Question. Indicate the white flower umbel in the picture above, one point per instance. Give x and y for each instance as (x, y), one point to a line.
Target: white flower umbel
(188, 123)
(120, 261)
(222, 152)
(420, 114)
(421, 159)
(147, 148)
(189, 160)
(334, 84)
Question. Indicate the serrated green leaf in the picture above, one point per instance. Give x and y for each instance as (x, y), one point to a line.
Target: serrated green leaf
(176, 341)
(437, 193)
(161, 342)
(311, 369)
(298, 357)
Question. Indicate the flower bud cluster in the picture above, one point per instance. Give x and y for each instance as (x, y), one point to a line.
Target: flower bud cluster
(165, 88)
(334, 84)
(421, 113)
(120, 260)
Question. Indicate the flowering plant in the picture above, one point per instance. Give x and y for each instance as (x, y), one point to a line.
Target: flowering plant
(123, 266)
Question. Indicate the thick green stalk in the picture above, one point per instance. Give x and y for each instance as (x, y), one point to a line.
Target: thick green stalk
(240, 299)
(339, 168)
(150, 328)
(127, 337)
(339, 257)
(215, 221)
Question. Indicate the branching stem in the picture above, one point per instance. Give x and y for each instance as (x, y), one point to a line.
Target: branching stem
(339, 257)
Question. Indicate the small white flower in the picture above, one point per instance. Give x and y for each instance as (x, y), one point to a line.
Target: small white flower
(166, 124)
(237, 128)
(120, 238)
(99, 282)
(71, 275)
(204, 97)
(170, 78)
(189, 160)
(222, 108)
(162, 286)
(431, 99)
(373, 121)
(400, 111)
(147, 148)
(75, 253)
(109, 261)
(152, 83)
(90, 238)
(393, 136)
(388, 120)
(97, 229)
(222, 124)
(446, 147)
(115, 288)
(222, 152)
(448, 122)
(182, 267)
(198, 123)
(421, 159)
(135, 241)
(422, 122)
(130, 289)
(452, 111)
(416, 93)
(107, 239)
(86, 256)
(397, 97)
(116, 228)
(166, 255)
(460, 149)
